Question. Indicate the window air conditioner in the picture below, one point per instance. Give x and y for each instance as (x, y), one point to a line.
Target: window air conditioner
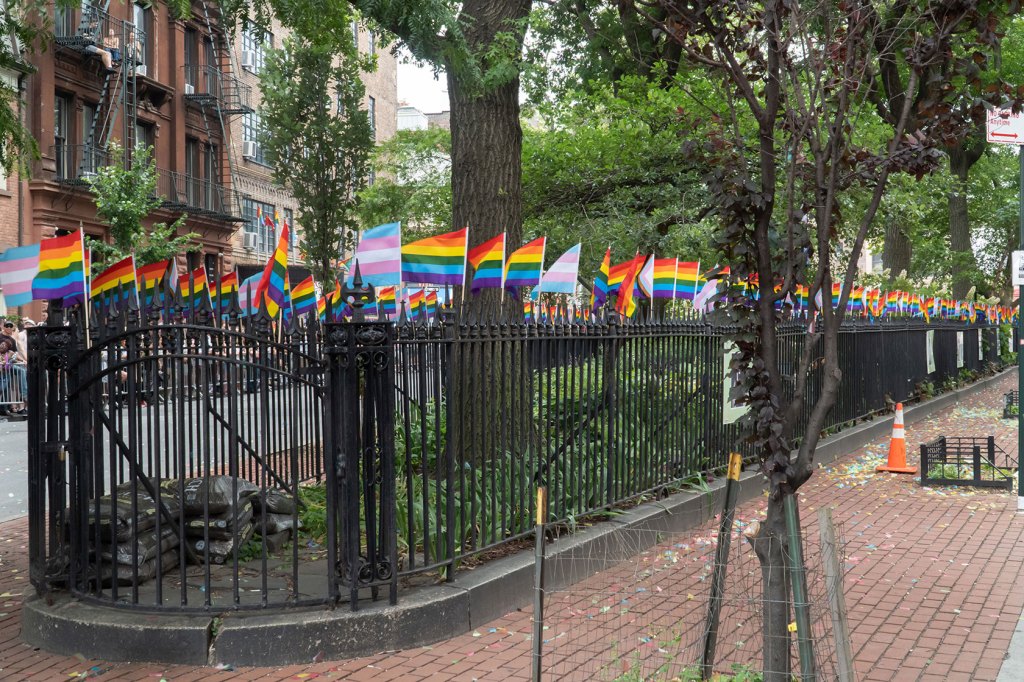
(249, 149)
(140, 70)
(249, 241)
(190, 89)
(249, 60)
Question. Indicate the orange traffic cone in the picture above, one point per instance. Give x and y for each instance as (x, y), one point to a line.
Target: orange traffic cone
(897, 448)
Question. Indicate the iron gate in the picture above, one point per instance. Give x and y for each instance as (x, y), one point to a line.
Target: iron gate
(191, 448)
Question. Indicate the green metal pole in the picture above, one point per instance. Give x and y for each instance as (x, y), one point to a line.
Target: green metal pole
(798, 578)
(1020, 340)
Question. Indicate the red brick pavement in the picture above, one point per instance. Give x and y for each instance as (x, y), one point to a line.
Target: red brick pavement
(930, 588)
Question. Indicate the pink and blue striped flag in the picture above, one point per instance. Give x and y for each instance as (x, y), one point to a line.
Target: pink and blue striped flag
(247, 300)
(560, 278)
(18, 267)
(379, 255)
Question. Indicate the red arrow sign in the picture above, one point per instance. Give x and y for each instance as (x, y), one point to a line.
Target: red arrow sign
(1013, 135)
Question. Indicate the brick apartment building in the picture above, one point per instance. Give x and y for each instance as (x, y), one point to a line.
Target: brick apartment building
(183, 88)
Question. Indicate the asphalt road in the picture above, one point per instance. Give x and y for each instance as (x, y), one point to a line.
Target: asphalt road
(13, 469)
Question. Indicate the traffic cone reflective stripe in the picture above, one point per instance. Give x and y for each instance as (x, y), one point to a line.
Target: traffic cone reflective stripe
(898, 447)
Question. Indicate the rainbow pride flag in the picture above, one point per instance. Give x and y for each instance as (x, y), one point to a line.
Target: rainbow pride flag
(120, 274)
(626, 303)
(417, 303)
(488, 260)
(304, 296)
(387, 302)
(227, 288)
(61, 269)
(436, 260)
(665, 278)
(274, 281)
(524, 265)
(194, 291)
(600, 293)
(560, 278)
(687, 279)
(431, 302)
(617, 273)
(148, 278)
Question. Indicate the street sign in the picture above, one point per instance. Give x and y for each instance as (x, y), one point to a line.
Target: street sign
(1018, 269)
(1002, 126)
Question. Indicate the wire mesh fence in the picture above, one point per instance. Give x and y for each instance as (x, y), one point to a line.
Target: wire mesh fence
(642, 614)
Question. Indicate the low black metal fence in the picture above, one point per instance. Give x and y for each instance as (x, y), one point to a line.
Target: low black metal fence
(181, 460)
(967, 460)
(1011, 404)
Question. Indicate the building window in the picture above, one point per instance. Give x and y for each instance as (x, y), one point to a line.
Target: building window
(212, 269)
(371, 111)
(192, 177)
(61, 149)
(355, 33)
(254, 42)
(63, 21)
(140, 17)
(212, 191)
(253, 131)
(143, 135)
(876, 262)
(371, 42)
(264, 233)
(191, 60)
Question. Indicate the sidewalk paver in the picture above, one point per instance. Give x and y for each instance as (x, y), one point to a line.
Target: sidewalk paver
(932, 586)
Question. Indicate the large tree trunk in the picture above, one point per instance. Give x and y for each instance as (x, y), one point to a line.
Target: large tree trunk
(490, 382)
(897, 249)
(961, 158)
(487, 139)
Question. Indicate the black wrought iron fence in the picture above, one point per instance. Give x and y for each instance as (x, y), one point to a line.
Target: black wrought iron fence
(186, 460)
(967, 460)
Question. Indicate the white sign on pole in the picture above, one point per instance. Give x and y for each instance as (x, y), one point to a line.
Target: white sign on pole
(1002, 126)
(1017, 261)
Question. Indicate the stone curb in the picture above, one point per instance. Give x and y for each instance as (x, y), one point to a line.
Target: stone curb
(423, 615)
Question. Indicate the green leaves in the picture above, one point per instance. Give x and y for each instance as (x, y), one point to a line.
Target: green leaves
(123, 198)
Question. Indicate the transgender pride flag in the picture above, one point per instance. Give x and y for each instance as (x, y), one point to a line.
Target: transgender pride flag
(560, 278)
(18, 267)
(379, 255)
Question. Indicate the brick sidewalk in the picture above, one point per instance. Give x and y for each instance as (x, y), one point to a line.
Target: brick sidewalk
(930, 586)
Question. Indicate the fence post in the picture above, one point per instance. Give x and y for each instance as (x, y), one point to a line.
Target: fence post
(834, 590)
(924, 463)
(976, 463)
(49, 347)
(721, 563)
(538, 584)
(359, 449)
